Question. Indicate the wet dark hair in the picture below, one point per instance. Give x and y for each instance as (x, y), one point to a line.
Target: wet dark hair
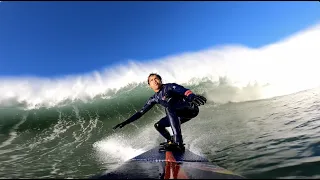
(154, 74)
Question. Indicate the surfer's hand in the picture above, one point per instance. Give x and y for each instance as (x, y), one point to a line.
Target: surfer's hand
(119, 125)
(198, 100)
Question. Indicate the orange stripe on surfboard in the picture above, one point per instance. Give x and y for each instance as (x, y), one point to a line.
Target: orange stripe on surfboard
(173, 169)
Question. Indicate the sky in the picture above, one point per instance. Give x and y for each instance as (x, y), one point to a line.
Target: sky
(48, 39)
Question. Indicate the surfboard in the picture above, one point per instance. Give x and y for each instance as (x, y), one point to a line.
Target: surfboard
(157, 164)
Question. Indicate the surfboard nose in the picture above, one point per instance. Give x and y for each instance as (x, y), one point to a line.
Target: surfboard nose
(168, 165)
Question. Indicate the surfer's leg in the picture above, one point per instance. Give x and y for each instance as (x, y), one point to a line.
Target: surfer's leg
(161, 127)
(183, 120)
(180, 113)
(187, 111)
(187, 114)
(175, 125)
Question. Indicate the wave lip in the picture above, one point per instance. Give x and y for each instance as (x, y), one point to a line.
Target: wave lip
(287, 66)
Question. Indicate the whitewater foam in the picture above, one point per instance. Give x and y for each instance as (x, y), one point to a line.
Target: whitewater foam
(13, 134)
(281, 68)
(115, 150)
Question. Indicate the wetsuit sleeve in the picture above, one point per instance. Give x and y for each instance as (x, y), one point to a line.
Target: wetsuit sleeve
(149, 104)
(176, 88)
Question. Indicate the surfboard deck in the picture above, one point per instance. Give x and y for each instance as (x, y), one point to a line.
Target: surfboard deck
(168, 165)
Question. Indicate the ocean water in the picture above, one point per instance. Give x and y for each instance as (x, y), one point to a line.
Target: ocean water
(261, 120)
(277, 137)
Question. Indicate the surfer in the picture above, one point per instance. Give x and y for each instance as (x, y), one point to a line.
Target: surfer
(180, 103)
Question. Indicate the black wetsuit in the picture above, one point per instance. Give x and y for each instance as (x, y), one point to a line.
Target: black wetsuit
(176, 100)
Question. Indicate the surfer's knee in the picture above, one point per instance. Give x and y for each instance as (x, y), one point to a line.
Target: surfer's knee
(189, 113)
(195, 112)
(157, 126)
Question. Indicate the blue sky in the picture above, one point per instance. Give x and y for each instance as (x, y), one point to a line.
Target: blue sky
(49, 39)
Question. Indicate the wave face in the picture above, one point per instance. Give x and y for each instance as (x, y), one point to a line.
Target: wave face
(229, 73)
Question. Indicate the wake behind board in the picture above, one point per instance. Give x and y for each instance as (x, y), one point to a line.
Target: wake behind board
(155, 164)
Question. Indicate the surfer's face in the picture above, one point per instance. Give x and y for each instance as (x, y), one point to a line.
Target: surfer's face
(155, 83)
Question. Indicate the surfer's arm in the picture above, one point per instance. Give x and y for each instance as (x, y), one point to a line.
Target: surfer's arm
(182, 91)
(149, 104)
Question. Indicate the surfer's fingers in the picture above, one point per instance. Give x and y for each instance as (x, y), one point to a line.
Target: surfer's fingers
(202, 98)
(196, 102)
